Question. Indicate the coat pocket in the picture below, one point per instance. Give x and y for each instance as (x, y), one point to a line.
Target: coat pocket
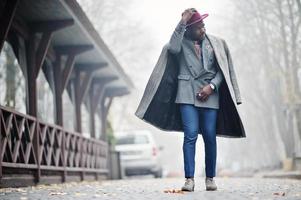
(184, 77)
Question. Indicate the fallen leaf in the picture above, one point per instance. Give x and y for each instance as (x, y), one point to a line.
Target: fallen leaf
(174, 191)
(57, 193)
(279, 193)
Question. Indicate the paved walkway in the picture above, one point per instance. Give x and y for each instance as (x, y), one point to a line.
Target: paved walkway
(155, 189)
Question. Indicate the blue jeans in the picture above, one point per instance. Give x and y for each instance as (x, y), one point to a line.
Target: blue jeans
(199, 120)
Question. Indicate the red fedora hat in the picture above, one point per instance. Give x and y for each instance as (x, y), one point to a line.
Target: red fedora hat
(196, 17)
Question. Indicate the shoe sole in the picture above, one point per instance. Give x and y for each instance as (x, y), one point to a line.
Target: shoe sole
(211, 189)
(186, 190)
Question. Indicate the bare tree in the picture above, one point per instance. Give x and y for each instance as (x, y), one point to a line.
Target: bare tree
(269, 49)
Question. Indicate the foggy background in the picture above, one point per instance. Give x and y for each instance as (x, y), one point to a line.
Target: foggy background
(264, 40)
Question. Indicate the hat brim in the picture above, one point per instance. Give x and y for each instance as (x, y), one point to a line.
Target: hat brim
(196, 21)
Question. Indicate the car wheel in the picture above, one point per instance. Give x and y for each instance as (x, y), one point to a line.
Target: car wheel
(158, 174)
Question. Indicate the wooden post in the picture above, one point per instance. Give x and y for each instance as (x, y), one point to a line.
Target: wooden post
(62, 73)
(64, 156)
(6, 19)
(78, 113)
(1, 146)
(32, 97)
(96, 95)
(103, 120)
(31, 74)
(81, 90)
(58, 90)
(91, 111)
(104, 108)
(36, 53)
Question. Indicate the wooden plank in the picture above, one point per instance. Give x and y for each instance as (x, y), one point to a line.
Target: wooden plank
(7, 19)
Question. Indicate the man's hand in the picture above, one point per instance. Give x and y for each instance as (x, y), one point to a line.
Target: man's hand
(205, 92)
(186, 15)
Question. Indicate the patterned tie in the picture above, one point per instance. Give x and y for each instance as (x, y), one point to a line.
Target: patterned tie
(197, 48)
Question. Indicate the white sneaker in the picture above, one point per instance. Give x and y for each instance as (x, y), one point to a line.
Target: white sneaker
(210, 184)
(189, 185)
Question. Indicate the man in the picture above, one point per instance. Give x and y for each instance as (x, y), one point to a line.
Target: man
(193, 88)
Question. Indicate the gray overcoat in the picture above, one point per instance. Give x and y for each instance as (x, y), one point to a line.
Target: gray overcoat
(158, 106)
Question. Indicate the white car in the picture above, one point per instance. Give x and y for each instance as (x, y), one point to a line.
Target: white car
(139, 153)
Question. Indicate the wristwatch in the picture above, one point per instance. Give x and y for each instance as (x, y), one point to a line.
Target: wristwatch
(212, 86)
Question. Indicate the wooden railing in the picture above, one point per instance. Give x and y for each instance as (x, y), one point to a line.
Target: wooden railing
(28, 144)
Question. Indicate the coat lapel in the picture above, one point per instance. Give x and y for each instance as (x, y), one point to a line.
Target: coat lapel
(190, 45)
(222, 61)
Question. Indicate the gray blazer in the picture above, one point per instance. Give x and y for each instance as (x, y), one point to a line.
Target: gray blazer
(195, 73)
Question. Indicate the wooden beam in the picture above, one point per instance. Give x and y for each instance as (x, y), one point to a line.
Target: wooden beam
(100, 89)
(81, 88)
(21, 27)
(93, 66)
(51, 25)
(103, 112)
(42, 50)
(104, 79)
(47, 28)
(73, 49)
(107, 107)
(65, 74)
(85, 85)
(97, 96)
(67, 70)
(117, 91)
(6, 19)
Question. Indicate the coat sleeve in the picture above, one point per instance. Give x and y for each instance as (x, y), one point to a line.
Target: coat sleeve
(232, 74)
(217, 80)
(175, 42)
